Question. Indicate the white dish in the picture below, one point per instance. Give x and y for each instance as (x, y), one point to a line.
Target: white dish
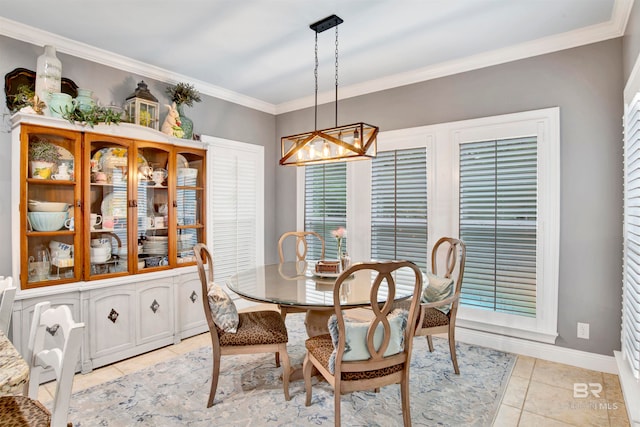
(38, 206)
(181, 161)
(114, 206)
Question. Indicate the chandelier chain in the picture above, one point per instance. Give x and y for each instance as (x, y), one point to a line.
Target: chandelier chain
(315, 74)
(336, 76)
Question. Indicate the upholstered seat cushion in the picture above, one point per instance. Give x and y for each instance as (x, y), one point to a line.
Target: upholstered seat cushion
(321, 348)
(434, 317)
(21, 411)
(257, 327)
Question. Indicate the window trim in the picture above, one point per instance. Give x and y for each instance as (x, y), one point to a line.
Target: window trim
(544, 124)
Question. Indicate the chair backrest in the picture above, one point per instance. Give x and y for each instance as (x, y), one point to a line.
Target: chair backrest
(301, 244)
(203, 256)
(450, 254)
(7, 295)
(62, 356)
(382, 272)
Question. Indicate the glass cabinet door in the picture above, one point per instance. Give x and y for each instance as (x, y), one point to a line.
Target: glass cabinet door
(190, 203)
(50, 206)
(106, 205)
(153, 213)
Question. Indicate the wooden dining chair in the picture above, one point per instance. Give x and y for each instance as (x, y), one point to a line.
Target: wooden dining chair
(238, 333)
(301, 248)
(58, 326)
(366, 355)
(7, 296)
(439, 315)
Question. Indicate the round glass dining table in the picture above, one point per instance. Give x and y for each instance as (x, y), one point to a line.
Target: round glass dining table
(296, 284)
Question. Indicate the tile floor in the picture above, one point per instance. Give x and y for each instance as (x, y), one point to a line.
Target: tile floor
(539, 393)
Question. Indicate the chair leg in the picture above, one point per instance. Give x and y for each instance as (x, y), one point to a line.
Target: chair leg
(277, 359)
(286, 371)
(452, 349)
(430, 342)
(406, 407)
(336, 395)
(214, 379)
(306, 372)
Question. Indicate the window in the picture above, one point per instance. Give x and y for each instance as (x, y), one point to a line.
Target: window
(237, 206)
(399, 206)
(631, 271)
(325, 206)
(494, 182)
(498, 205)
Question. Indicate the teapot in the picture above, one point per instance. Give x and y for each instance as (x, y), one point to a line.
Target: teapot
(158, 176)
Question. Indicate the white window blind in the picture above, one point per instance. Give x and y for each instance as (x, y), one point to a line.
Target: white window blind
(237, 209)
(399, 206)
(325, 206)
(497, 214)
(631, 271)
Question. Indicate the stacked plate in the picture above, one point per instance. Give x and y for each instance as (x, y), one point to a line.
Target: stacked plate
(156, 245)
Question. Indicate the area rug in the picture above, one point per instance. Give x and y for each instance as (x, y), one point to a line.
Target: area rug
(175, 392)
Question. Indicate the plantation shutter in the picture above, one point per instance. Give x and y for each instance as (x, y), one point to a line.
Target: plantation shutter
(325, 206)
(399, 206)
(498, 212)
(235, 210)
(631, 271)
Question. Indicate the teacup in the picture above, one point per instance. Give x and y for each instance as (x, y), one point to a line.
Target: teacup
(94, 220)
(158, 176)
(69, 223)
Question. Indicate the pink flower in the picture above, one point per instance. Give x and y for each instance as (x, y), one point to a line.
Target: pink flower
(339, 232)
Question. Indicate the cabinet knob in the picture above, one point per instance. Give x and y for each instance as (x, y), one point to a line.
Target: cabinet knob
(175, 203)
(133, 203)
(113, 315)
(193, 297)
(154, 306)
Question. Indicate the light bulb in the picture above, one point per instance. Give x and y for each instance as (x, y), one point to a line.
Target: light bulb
(326, 150)
(356, 139)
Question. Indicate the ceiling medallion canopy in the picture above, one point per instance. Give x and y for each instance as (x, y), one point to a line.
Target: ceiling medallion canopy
(339, 143)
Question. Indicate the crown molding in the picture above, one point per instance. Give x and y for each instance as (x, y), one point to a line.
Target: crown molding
(78, 49)
(613, 28)
(595, 33)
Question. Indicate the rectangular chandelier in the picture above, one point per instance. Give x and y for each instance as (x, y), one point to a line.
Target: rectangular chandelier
(350, 142)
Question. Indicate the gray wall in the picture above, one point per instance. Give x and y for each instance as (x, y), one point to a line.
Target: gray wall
(631, 41)
(212, 117)
(586, 83)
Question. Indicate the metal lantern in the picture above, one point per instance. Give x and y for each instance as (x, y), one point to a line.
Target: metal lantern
(142, 107)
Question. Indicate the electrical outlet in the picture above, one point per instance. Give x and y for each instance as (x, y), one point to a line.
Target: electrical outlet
(583, 330)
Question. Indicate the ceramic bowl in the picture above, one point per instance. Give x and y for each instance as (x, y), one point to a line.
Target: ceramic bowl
(37, 206)
(47, 221)
(188, 172)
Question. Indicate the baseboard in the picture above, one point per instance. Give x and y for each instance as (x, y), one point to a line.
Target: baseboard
(630, 389)
(567, 356)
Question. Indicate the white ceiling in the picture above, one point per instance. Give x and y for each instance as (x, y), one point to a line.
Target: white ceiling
(261, 52)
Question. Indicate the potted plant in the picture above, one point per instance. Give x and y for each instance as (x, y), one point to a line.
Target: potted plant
(184, 94)
(43, 157)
